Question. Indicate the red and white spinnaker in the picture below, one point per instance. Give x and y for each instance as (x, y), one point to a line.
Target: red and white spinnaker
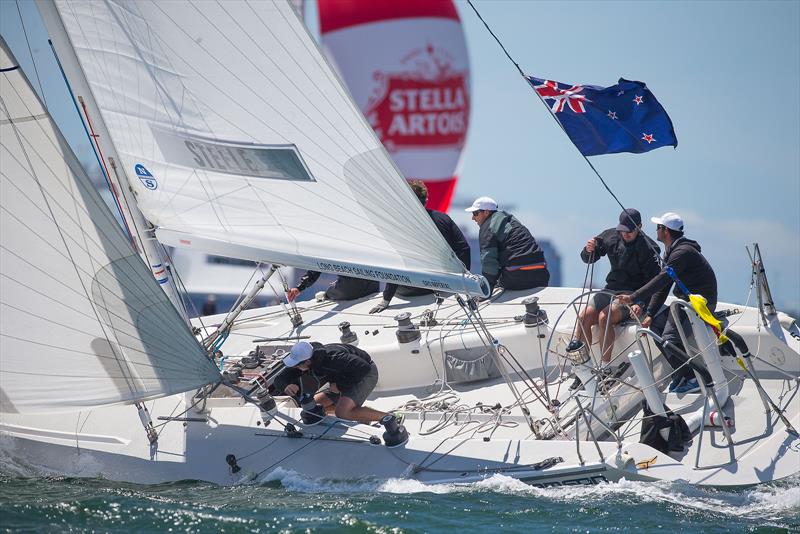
(406, 66)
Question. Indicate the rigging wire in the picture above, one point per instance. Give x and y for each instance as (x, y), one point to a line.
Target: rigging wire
(370, 167)
(656, 251)
(94, 151)
(30, 51)
(125, 372)
(132, 279)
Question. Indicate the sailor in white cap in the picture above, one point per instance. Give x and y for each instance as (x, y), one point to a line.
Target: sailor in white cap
(690, 267)
(349, 372)
(510, 255)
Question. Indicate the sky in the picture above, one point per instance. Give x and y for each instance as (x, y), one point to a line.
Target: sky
(728, 74)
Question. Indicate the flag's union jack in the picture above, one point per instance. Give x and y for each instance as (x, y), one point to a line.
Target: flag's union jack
(625, 117)
(570, 97)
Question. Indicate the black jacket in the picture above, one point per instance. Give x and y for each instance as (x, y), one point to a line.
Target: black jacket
(454, 237)
(344, 288)
(341, 364)
(690, 267)
(452, 234)
(632, 264)
(505, 242)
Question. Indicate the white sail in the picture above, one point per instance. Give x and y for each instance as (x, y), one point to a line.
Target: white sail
(82, 321)
(240, 140)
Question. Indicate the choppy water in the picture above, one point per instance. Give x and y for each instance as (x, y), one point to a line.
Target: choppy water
(286, 502)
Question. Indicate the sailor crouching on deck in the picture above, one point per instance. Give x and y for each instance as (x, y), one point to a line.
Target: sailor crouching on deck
(350, 373)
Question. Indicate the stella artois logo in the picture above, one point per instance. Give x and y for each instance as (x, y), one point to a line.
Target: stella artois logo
(424, 105)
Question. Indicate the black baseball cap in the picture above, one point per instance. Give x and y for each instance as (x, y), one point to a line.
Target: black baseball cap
(629, 220)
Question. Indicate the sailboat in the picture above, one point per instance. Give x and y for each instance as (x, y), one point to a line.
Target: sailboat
(225, 131)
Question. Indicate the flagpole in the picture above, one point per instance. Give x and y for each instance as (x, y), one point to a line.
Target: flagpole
(553, 115)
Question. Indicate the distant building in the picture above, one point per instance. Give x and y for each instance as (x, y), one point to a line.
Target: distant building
(553, 259)
(206, 275)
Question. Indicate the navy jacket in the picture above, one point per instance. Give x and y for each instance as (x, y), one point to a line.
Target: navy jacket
(454, 237)
(505, 242)
(690, 267)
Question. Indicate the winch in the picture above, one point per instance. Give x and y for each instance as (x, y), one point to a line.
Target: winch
(396, 434)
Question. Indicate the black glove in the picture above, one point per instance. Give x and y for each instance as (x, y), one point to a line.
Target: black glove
(382, 305)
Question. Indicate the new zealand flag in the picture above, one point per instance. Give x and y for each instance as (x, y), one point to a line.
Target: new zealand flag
(625, 117)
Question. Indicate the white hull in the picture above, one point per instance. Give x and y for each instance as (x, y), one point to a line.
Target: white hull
(111, 443)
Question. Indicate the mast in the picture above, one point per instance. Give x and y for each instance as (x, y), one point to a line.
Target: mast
(141, 231)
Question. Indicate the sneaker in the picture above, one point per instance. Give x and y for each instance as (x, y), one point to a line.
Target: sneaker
(576, 384)
(690, 386)
(676, 382)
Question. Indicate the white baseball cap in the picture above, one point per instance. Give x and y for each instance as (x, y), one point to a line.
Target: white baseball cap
(301, 351)
(671, 220)
(483, 203)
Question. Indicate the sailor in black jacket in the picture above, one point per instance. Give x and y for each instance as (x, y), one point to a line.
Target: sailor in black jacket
(633, 258)
(691, 268)
(344, 288)
(510, 254)
(349, 372)
(451, 233)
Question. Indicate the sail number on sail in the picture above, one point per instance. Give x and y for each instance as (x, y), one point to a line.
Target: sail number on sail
(277, 162)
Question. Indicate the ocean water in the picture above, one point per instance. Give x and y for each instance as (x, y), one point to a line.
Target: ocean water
(287, 502)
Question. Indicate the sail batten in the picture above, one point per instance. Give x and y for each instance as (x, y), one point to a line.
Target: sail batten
(235, 131)
(82, 321)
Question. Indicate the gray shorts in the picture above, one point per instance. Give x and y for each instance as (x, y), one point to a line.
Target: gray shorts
(600, 301)
(360, 391)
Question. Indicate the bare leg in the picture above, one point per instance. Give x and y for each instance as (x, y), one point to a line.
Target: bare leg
(586, 320)
(607, 333)
(346, 409)
(323, 400)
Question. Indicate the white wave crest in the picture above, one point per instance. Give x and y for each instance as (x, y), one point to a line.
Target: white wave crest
(293, 481)
(767, 501)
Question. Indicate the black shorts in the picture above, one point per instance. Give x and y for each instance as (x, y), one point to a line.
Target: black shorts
(359, 392)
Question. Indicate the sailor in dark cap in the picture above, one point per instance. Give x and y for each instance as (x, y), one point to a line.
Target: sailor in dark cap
(684, 256)
(633, 258)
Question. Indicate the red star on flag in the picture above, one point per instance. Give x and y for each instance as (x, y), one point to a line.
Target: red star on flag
(647, 137)
(638, 100)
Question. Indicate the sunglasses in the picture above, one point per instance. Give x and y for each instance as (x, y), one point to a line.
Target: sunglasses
(660, 227)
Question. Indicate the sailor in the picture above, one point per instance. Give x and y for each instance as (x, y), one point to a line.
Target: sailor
(349, 372)
(690, 267)
(451, 233)
(343, 288)
(633, 259)
(510, 255)
(209, 306)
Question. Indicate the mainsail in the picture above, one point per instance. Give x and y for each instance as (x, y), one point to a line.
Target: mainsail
(240, 140)
(83, 322)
